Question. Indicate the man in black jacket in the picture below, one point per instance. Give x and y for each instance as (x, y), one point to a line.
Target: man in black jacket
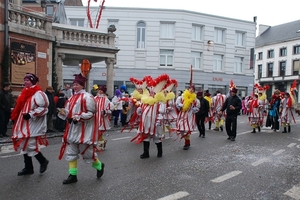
(202, 114)
(232, 106)
(6, 103)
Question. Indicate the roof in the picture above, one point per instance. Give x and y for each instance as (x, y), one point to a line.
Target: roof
(280, 33)
(67, 2)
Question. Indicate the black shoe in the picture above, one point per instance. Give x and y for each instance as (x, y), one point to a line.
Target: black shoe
(43, 166)
(144, 155)
(186, 147)
(100, 172)
(229, 138)
(232, 139)
(216, 129)
(5, 135)
(1, 136)
(221, 128)
(25, 172)
(70, 179)
(200, 135)
(203, 136)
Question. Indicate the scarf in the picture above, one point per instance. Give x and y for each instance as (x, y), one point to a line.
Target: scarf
(24, 96)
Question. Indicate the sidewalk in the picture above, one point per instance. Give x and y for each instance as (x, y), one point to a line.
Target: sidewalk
(7, 140)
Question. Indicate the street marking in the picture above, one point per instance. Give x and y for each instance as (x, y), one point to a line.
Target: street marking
(291, 145)
(260, 161)
(293, 193)
(278, 152)
(122, 138)
(10, 148)
(226, 176)
(242, 133)
(10, 156)
(177, 195)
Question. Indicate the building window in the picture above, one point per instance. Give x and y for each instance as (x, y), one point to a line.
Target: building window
(239, 39)
(77, 22)
(196, 59)
(260, 56)
(259, 71)
(167, 30)
(49, 10)
(296, 67)
(238, 64)
(282, 52)
(271, 53)
(219, 35)
(297, 49)
(166, 58)
(196, 32)
(270, 70)
(141, 35)
(282, 68)
(218, 62)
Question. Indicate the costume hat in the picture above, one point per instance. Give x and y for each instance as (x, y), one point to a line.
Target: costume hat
(80, 79)
(32, 78)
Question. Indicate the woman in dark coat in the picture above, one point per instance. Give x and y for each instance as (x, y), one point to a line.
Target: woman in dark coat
(60, 124)
(273, 115)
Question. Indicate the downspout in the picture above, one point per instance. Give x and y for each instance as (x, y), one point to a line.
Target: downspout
(6, 24)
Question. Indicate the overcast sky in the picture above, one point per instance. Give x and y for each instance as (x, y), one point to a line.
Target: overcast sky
(268, 12)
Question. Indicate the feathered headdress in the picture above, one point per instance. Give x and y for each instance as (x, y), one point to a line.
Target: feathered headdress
(138, 83)
(231, 85)
(292, 93)
(157, 85)
(170, 84)
(259, 89)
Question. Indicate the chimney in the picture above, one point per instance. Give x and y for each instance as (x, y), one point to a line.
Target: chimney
(262, 28)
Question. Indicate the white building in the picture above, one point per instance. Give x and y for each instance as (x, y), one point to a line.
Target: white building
(278, 56)
(157, 41)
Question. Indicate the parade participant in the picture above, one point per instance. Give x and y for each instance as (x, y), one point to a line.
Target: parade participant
(217, 103)
(202, 114)
(171, 114)
(232, 105)
(262, 101)
(104, 109)
(94, 90)
(152, 110)
(287, 105)
(30, 124)
(254, 113)
(273, 115)
(187, 105)
(210, 117)
(81, 134)
(133, 118)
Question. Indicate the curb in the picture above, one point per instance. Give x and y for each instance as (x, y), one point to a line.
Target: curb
(52, 135)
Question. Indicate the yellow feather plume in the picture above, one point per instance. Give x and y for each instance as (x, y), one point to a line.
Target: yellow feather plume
(188, 98)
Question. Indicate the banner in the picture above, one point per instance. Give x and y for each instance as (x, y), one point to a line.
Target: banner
(23, 60)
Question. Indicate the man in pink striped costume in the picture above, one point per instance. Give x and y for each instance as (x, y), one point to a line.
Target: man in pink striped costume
(104, 109)
(188, 105)
(81, 133)
(152, 110)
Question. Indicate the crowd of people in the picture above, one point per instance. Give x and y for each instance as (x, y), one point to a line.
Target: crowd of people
(153, 109)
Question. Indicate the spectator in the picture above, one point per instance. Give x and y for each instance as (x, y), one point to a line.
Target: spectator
(6, 103)
(60, 124)
(67, 91)
(118, 106)
(51, 108)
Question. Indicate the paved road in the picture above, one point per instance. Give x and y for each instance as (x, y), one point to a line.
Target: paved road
(258, 166)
